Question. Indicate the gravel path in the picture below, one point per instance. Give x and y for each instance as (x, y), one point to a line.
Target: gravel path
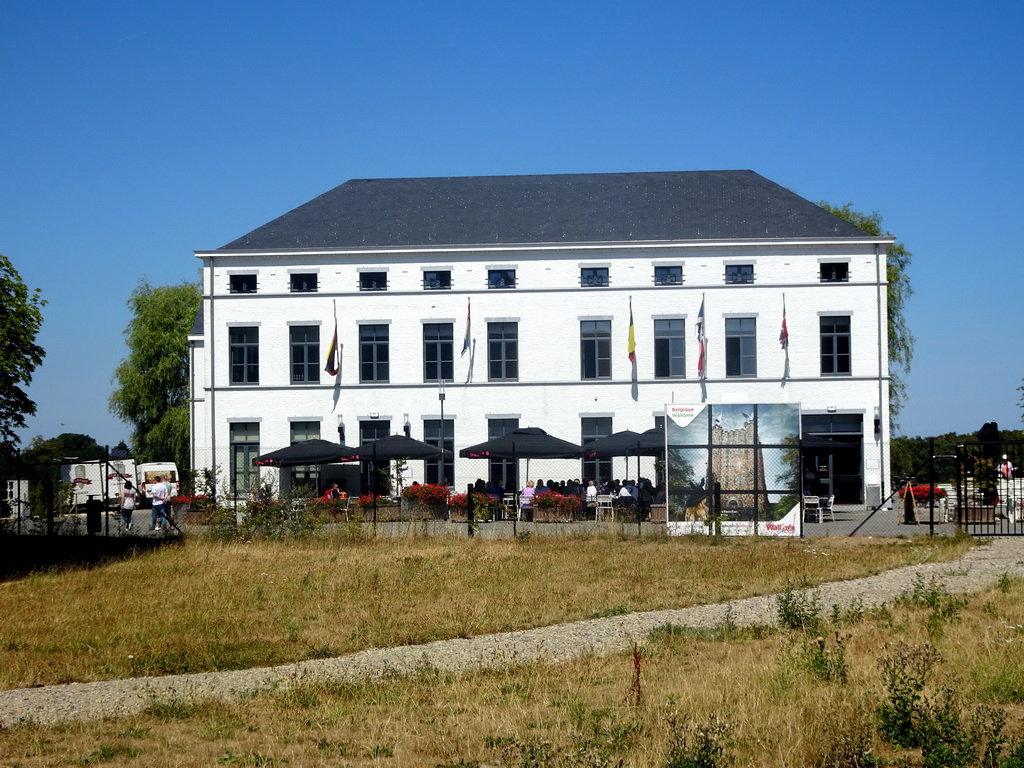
(978, 569)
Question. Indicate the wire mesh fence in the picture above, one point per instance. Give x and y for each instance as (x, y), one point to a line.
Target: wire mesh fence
(810, 491)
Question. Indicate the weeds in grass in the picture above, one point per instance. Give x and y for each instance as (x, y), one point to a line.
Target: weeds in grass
(904, 671)
(848, 615)
(607, 613)
(944, 608)
(824, 663)
(635, 691)
(107, 752)
(799, 609)
(698, 746)
(171, 709)
(847, 743)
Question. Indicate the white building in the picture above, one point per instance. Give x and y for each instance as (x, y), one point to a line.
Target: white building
(545, 272)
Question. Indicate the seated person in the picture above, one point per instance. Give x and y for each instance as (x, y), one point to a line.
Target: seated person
(333, 493)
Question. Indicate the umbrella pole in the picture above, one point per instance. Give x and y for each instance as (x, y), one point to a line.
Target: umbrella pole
(373, 469)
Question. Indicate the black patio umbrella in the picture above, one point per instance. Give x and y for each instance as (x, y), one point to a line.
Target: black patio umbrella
(652, 442)
(391, 448)
(624, 443)
(523, 443)
(302, 454)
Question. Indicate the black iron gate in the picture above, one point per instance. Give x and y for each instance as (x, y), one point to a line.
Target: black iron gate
(989, 491)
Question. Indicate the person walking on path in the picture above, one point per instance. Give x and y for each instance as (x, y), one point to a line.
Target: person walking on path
(129, 497)
(161, 494)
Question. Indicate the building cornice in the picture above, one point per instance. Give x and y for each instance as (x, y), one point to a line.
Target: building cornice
(451, 250)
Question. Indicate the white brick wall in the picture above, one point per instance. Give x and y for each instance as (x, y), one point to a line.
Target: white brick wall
(548, 305)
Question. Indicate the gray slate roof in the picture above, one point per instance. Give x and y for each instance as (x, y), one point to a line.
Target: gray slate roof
(570, 208)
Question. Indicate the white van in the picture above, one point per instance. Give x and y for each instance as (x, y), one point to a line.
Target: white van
(147, 474)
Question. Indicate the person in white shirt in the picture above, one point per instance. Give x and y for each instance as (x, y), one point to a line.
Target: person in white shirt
(161, 494)
(129, 497)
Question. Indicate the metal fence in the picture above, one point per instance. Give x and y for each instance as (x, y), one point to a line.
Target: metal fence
(846, 504)
(972, 496)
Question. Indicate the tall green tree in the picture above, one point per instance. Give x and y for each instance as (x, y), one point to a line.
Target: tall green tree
(20, 320)
(151, 385)
(901, 341)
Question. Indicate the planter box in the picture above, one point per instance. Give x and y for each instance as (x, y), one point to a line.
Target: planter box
(659, 513)
(982, 514)
(551, 515)
(414, 509)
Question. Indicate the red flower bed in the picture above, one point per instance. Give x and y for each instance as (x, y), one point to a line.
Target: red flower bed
(427, 494)
(923, 492)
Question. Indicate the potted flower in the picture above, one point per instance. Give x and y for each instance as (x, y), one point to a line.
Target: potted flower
(194, 509)
(554, 507)
(924, 492)
(458, 504)
(425, 501)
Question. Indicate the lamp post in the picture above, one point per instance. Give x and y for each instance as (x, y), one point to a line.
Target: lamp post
(444, 468)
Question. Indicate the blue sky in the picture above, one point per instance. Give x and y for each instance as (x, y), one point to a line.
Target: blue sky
(134, 133)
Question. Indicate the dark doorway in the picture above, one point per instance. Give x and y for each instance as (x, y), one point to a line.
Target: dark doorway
(834, 463)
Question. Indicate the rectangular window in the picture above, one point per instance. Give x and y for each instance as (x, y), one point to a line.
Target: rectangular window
(595, 349)
(305, 343)
(669, 349)
(668, 275)
(374, 478)
(501, 278)
(245, 446)
(373, 281)
(503, 352)
(835, 346)
(242, 283)
(598, 470)
(503, 470)
(303, 283)
(835, 273)
(594, 277)
(438, 361)
(739, 273)
(305, 475)
(437, 280)
(244, 354)
(373, 353)
(741, 346)
(440, 471)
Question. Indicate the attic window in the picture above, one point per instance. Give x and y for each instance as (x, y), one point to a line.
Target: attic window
(242, 283)
(736, 274)
(594, 277)
(668, 275)
(303, 283)
(838, 272)
(437, 280)
(501, 278)
(373, 281)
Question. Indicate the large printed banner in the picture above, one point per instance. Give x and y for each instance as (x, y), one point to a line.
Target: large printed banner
(733, 469)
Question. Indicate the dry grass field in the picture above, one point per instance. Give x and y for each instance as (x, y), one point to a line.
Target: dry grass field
(211, 605)
(810, 693)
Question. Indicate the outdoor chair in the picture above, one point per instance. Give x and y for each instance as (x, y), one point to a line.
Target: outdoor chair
(605, 507)
(812, 509)
(825, 508)
(509, 507)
